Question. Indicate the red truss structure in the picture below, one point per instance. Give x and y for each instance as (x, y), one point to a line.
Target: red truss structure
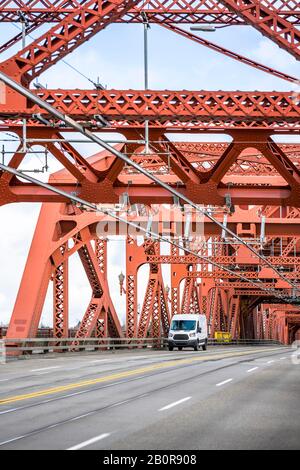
(167, 111)
(205, 11)
(204, 172)
(252, 182)
(231, 304)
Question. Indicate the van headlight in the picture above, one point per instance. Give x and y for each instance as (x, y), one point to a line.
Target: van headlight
(171, 335)
(192, 335)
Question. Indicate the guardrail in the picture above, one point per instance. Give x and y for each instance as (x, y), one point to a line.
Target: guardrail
(245, 342)
(2, 352)
(16, 347)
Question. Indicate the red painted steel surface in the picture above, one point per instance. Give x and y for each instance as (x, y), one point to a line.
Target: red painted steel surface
(64, 230)
(261, 177)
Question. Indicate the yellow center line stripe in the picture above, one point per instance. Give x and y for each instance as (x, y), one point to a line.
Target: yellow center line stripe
(125, 374)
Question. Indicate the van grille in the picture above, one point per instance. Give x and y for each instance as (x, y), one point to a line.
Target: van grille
(181, 337)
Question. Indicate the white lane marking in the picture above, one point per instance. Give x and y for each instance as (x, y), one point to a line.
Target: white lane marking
(4, 380)
(45, 368)
(120, 403)
(12, 440)
(89, 442)
(270, 362)
(171, 405)
(224, 382)
(50, 400)
(141, 357)
(80, 417)
(8, 411)
(97, 360)
(253, 368)
(282, 358)
(44, 373)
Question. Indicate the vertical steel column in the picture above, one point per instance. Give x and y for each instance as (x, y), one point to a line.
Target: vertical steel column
(61, 298)
(131, 289)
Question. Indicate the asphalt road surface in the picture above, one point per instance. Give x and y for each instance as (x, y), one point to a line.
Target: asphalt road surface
(223, 398)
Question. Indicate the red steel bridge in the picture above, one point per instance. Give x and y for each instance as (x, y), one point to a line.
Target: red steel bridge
(244, 271)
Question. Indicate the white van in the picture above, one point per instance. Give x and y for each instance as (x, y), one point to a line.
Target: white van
(188, 330)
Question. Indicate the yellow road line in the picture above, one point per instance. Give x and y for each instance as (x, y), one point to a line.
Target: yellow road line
(125, 374)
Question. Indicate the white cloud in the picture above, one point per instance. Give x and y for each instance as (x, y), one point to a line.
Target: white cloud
(269, 53)
(2, 298)
(17, 224)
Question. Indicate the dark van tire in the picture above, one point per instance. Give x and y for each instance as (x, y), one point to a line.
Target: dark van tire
(170, 348)
(179, 348)
(204, 346)
(196, 347)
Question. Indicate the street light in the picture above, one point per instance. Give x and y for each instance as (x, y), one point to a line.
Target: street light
(121, 281)
(205, 27)
(167, 291)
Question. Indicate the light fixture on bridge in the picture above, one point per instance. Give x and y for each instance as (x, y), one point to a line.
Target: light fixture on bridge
(38, 85)
(228, 203)
(262, 230)
(121, 282)
(207, 28)
(98, 85)
(41, 119)
(23, 18)
(101, 121)
(177, 203)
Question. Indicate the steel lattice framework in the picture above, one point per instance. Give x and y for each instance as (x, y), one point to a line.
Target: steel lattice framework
(251, 170)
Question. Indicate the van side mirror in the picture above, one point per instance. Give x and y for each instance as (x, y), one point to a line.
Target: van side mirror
(199, 329)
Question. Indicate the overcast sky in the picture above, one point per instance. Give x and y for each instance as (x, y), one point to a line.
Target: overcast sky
(116, 56)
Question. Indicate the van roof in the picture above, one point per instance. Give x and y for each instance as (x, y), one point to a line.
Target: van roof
(187, 316)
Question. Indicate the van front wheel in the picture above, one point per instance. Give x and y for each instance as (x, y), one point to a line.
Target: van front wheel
(170, 348)
(204, 346)
(196, 347)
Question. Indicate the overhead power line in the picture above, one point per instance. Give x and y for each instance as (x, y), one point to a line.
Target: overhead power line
(97, 84)
(96, 208)
(179, 196)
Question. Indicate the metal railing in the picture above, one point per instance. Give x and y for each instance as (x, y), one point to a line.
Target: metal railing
(2, 352)
(17, 347)
(245, 342)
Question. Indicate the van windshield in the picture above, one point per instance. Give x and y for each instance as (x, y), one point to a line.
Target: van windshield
(185, 325)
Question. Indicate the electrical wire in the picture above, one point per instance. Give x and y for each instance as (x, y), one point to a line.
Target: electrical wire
(174, 192)
(156, 236)
(62, 60)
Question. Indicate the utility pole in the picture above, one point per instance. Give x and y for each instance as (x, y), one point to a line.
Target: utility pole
(24, 22)
(146, 82)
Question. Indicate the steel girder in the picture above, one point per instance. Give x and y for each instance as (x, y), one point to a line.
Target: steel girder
(76, 28)
(233, 55)
(92, 16)
(190, 297)
(161, 12)
(48, 259)
(61, 298)
(188, 111)
(166, 110)
(154, 314)
(268, 22)
(270, 177)
(183, 11)
(280, 322)
(206, 11)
